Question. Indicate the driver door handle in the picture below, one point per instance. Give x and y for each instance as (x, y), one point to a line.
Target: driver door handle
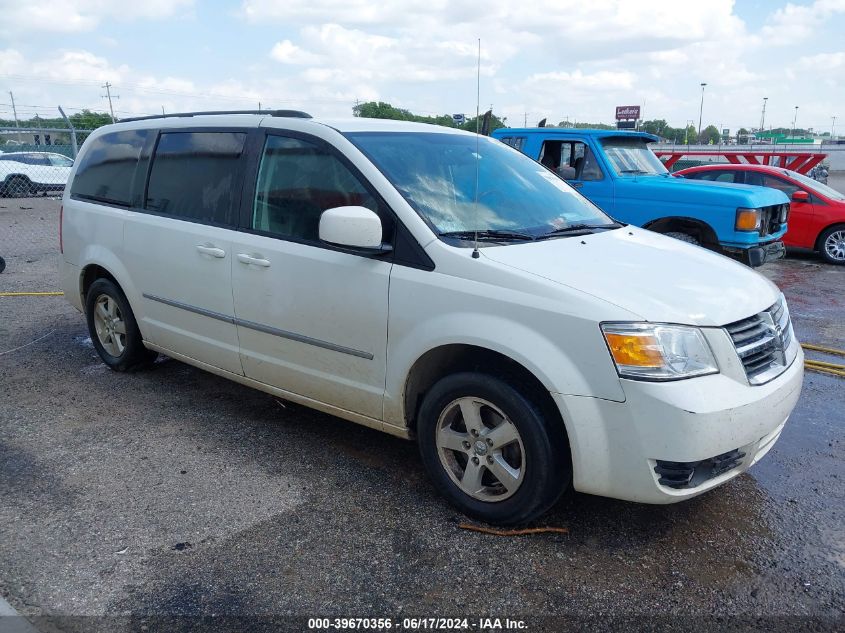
(245, 258)
(210, 249)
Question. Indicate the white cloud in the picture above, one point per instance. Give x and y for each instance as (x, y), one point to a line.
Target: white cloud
(287, 52)
(79, 15)
(795, 22)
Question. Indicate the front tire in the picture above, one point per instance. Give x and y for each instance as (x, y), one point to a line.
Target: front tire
(113, 329)
(684, 237)
(490, 450)
(832, 245)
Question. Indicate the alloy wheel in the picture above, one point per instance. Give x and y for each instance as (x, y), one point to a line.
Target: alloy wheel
(834, 245)
(109, 325)
(481, 449)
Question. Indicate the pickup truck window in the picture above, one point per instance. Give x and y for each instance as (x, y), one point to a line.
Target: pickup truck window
(436, 174)
(572, 160)
(631, 156)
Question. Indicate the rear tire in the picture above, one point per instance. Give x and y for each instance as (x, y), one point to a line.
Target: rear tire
(113, 329)
(832, 245)
(490, 450)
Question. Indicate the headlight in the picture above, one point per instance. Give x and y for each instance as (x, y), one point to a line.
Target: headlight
(747, 219)
(646, 351)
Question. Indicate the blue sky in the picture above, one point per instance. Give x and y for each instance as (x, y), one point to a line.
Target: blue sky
(552, 59)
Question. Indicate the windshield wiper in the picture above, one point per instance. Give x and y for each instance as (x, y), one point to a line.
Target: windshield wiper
(488, 235)
(580, 229)
(633, 171)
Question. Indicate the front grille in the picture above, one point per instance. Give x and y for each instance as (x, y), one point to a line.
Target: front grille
(691, 474)
(763, 343)
(773, 218)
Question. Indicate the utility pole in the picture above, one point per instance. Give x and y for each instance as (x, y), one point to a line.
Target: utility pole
(701, 111)
(15, 112)
(794, 120)
(832, 128)
(763, 116)
(72, 132)
(108, 96)
(525, 120)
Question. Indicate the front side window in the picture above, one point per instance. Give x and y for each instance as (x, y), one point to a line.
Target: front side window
(572, 160)
(297, 181)
(107, 167)
(631, 156)
(437, 174)
(812, 185)
(196, 176)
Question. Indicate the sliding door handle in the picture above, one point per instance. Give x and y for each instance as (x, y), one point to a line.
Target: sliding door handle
(244, 258)
(210, 249)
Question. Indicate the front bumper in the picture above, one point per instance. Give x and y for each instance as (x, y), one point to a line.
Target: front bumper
(618, 447)
(757, 255)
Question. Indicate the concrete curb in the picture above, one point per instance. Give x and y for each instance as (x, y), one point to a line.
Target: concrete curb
(13, 622)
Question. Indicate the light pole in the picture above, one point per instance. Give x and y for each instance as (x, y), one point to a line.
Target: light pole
(701, 111)
(763, 115)
(832, 128)
(794, 119)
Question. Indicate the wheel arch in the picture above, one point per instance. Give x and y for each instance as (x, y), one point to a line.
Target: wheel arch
(101, 262)
(705, 233)
(818, 243)
(458, 357)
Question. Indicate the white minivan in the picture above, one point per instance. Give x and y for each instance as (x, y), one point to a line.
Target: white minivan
(435, 285)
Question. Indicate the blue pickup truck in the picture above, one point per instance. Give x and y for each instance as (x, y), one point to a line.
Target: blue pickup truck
(618, 171)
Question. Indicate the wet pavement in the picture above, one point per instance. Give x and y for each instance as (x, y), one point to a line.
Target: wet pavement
(156, 498)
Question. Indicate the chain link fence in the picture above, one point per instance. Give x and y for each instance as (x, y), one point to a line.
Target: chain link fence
(37, 161)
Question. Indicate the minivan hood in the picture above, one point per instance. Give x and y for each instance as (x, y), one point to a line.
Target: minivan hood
(673, 189)
(659, 278)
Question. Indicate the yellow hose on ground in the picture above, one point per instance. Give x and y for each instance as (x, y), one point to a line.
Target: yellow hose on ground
(31, 294)
(819, 348)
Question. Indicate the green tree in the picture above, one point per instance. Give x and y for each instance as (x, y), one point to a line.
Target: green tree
(495, 123)
(382, 110)
(711, 135)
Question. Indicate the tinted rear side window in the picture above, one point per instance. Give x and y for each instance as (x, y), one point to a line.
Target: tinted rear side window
(107, 168)
(197, 176)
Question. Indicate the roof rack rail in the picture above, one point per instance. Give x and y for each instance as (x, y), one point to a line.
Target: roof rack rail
(297, 114)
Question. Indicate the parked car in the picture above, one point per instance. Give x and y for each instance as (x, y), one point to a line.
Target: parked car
(817, 219)
(618, 171)
(31, 173)
(435, 285)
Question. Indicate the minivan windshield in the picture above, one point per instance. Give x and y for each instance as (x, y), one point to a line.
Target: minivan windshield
(631, 156)
(517, 198)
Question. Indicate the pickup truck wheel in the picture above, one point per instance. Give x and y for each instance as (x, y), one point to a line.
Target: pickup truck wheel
(489, 449)
(114, 331)
(684, 237)
(832, 245)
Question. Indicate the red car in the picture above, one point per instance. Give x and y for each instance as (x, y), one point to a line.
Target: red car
(817, 212)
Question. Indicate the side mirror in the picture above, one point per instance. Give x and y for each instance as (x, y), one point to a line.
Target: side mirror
(356, 229)
(800, 196)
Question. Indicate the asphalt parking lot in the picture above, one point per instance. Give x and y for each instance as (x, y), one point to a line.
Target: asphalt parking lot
(172, 493)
